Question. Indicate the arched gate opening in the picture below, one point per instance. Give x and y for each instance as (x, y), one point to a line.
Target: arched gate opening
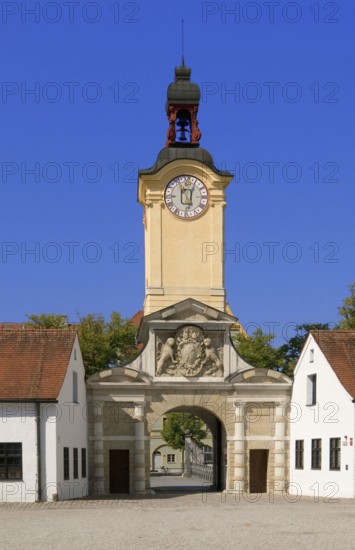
(193, 467)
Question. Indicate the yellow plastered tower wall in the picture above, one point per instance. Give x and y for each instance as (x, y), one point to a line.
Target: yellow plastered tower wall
(183, 257)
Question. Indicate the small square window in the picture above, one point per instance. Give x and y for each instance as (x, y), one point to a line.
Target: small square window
(171, 459)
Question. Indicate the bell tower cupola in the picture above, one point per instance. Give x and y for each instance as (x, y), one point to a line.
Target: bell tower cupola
(183, 99)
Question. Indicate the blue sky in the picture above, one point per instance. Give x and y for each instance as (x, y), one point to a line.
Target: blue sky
(100, 74)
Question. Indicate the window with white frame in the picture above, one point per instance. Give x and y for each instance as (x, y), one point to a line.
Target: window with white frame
(66, 463)
(316, 454)
(299, 452)
(10, 461)
(207, 454)
(75, 463)
(334, 453)
(171, 459)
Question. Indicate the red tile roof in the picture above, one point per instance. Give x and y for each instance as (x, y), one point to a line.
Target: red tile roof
(33, 361)
(136, 321)
(137, 317)
(338, 347)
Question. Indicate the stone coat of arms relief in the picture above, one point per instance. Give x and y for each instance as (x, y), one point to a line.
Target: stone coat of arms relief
(189, 352)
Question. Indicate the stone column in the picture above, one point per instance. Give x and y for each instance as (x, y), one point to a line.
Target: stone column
(239, 447)
(139, 449)
(280, 464)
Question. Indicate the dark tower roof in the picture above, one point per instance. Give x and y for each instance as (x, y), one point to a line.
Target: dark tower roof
(183, 91)
(183, 96)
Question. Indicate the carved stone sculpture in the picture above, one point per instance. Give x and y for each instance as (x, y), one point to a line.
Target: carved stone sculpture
(212, 358)
(166, 354)
(189, 353)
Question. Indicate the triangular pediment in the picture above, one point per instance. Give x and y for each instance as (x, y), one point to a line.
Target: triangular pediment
(191, 307)
(189, 310)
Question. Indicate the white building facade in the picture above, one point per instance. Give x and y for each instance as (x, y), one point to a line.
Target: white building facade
(43, 425)
(322, 429)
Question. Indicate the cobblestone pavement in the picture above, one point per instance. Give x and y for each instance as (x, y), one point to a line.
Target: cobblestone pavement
(184, 521)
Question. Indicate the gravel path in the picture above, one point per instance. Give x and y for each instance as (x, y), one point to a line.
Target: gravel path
(181, 521)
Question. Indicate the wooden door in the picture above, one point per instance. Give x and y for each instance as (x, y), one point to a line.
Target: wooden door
(258, 459)
(119, 471)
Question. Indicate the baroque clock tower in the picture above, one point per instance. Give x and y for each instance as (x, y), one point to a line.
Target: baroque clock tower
(188, 362)
(183, 195)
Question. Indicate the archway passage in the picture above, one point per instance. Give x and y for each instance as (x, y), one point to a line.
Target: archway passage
(199, 468)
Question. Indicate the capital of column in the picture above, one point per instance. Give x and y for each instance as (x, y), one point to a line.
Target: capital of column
(139, 412)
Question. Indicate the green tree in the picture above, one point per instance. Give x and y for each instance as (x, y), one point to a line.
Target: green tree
(48, 320)
(347, 311)
(175, 426)
(257, 350)
(103, 343)
(292, 349)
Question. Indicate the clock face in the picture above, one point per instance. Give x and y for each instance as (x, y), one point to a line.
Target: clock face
(186, 197)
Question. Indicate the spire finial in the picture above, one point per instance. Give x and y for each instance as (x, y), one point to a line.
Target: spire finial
(182, 43)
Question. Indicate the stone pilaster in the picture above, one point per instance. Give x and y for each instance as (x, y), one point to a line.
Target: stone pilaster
(237, 475)
(139, 449)
(280, 456)
(99, 487)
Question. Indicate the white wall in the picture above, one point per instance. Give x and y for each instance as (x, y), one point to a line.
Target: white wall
(18, 425)
(332, 416)
(71, 429)
(49, 415)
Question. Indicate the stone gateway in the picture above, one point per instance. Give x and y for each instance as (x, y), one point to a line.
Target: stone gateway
(188, 361)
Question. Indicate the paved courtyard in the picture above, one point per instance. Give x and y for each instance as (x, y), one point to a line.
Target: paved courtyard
(165, 483)
(194, 519)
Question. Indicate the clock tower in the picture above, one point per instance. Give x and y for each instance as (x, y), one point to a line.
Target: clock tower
(183, 195)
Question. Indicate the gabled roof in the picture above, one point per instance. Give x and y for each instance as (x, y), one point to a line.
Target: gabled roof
(33, 361)
(338, 346)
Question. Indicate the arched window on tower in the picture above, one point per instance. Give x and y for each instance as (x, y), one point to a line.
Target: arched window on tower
(183, 126)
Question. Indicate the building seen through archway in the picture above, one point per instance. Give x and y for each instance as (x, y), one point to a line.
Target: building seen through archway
(200, 465)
